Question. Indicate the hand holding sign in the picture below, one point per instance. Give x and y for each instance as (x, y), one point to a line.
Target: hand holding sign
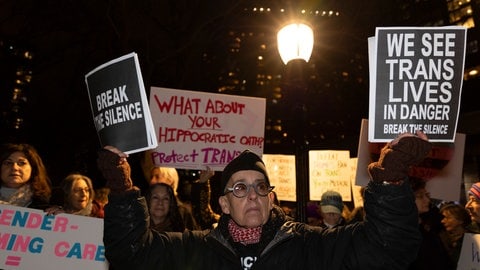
(119, 105)
(397, 157)
(114, 167)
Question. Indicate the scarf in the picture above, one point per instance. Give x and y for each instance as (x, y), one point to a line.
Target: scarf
(87, 211)
(244, 236)
(21, 197)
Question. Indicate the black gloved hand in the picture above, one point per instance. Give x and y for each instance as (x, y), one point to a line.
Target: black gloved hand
(116, 171)
(397, 157)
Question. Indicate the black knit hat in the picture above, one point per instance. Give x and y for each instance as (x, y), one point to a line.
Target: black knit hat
(247, 160)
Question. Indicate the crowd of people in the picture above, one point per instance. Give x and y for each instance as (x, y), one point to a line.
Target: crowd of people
(25, 182)
(398, 227)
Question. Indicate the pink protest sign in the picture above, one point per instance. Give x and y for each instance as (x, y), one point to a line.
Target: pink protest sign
(30, 239)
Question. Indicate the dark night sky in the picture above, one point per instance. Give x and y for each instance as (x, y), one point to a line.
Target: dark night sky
(69, 38)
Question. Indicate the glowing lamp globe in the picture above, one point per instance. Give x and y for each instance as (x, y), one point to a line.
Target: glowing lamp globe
(295, 41)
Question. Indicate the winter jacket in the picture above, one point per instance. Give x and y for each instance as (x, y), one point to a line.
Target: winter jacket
(388, 238)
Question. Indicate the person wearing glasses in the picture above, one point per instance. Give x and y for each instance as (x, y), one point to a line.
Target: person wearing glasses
(24, 178)
(254, 233)
(78, 197)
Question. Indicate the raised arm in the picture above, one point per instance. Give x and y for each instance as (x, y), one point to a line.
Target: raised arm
(391, 214)
(389, 236)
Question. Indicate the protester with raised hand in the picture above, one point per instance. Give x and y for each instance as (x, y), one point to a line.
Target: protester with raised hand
(253, 233)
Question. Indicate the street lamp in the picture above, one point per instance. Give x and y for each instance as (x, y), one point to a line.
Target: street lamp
(295, 45)
(295, 41)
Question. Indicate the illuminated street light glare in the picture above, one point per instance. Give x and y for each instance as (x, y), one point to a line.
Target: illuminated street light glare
(295, 41)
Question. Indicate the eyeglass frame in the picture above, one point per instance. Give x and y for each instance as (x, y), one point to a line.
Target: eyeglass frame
(248, 186)
(82, 190)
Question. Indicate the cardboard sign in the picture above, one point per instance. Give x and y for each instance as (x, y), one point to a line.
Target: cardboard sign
(29, 239)
(281, 172)
(329, 170)
(198, 129)
(119, 105)
(416, 76)
(356, 190)
(470, 254)
(443, 182)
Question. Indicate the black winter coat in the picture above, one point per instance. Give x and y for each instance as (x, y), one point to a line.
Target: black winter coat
(388, 239)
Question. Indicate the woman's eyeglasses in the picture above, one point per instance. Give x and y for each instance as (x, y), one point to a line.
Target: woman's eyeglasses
(81, 190)
(241, 189)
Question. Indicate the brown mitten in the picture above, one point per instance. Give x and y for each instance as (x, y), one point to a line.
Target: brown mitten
(397, 157)
(116, 171)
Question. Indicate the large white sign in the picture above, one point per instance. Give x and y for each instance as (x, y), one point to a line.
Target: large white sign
(470, 255)
(442, 182)
(281, 172)
(198, 129)
(30, 239)
(330, 170)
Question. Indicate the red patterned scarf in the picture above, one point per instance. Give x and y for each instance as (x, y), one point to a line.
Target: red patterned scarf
(245, 236)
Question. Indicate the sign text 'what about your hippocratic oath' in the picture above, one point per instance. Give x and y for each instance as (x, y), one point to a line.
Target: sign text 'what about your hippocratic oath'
(196, 129)
(201, 121)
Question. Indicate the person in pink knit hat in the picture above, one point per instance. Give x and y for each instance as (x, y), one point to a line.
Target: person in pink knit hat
(473, 208)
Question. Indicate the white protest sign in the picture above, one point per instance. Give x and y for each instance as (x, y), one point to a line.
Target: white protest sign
(329, 170)
(30, 239)
(447, 184)
(442, 168)
(198, 129)
(356, 190)
(416, 76)
(281, 172)
(470, 254)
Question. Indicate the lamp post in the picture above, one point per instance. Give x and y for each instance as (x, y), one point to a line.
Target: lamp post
(295, 45)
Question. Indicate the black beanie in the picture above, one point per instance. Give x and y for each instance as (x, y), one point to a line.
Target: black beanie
(247, 160)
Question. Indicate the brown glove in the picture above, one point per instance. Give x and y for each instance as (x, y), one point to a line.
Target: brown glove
(116, 171)
(397, 157)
